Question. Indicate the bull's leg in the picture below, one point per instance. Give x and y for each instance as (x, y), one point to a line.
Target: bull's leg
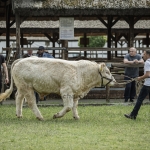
(68, 104)
(74, 109)
(19, 103)
(31, 100)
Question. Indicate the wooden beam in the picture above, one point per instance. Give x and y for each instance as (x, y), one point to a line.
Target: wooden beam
(113, 38)
(147, 39)
(137, 19)
(116, 20)
(18, 51)
(78, 48)
(131, 31)
(110, 19)
(85, 44)
(12, 23)
(8, 11)
(135, 34)
(122, 65)
(126, 19)
(77, 30)
(48, 36)
(119, 37)
(116, 41)
(101, 19)
(126, 35)
(8, 2)
(23, 19)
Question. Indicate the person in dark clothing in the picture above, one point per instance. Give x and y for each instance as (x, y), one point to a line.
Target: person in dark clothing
(131, 72)
(3, 64)
(41, 53)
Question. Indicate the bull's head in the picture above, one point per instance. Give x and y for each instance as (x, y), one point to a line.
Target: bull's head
(106, 76)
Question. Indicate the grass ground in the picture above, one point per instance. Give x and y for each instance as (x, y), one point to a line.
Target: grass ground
(99, 127)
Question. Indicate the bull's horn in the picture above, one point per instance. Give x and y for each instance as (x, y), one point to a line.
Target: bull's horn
(101, 66)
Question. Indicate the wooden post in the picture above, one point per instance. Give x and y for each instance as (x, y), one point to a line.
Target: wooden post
(116, 41)
(107, 90)
(107, 93)
(131, 31)
(22, 42)
(53, 50)
(85, 45)
(65, 52)
(18, 51)
(8, 12)
(147, 39)
(110, 18)
(54, 39)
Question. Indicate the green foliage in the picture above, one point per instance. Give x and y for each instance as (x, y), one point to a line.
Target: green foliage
(95, 41)
(99, 128)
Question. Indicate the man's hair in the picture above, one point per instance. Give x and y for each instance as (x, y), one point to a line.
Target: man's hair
(147, 51)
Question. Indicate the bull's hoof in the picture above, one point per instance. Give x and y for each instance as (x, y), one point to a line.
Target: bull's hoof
(76, 117)
(69, 109)
(57, 115)
(40, 119)
(19, 116)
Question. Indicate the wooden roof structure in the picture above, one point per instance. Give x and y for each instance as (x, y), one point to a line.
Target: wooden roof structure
(80, 7)
(108, 12)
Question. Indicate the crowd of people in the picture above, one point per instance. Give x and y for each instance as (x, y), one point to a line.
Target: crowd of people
(131, 58)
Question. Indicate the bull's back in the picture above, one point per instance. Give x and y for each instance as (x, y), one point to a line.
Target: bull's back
(50, 75)
(44, 74)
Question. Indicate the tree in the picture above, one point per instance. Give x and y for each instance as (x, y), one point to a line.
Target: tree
(95, 41)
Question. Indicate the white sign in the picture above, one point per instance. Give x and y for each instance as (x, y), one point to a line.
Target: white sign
(66, 28)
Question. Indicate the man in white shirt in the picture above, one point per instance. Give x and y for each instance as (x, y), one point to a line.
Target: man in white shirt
(145, 90)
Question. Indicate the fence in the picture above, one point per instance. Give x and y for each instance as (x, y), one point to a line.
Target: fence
(115, 65)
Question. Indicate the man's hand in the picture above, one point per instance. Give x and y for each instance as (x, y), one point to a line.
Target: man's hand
(139, 78)
(136, 61)
(6, 80)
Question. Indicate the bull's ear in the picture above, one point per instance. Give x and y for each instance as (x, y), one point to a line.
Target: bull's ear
(101, 66)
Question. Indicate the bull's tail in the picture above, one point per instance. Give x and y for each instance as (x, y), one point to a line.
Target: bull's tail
(8, 92)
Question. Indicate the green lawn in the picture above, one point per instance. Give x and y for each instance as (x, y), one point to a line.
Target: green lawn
(99, 128)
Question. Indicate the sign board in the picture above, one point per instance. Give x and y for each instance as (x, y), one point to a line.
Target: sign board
(66, 28)
(83, 41)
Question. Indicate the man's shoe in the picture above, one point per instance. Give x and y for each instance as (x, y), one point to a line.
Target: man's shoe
(131, 100)
(129, 116)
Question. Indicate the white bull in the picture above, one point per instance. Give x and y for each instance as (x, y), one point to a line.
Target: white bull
(72, 80)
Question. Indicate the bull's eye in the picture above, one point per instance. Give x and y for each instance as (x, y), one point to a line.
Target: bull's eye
(107, 72)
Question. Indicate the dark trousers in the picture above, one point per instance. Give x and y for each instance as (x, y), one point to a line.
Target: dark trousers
(0, 82)
(143, 93)
(0, 85)
(37, 97)
(130, 90)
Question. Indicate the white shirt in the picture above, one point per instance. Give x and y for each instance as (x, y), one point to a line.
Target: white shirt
(147, 68)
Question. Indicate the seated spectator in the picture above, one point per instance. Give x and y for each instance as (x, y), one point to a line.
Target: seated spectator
(41, 53)
(29, 53)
